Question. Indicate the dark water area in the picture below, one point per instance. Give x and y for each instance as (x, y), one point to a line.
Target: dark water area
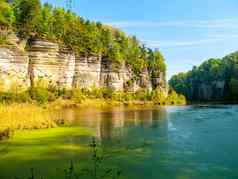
(185, 142)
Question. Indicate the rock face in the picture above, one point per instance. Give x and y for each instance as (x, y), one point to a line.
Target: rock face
(87, 72)
(58, 66)
(66, 68)
(13, 68)
(112, 78)
(54, 65)
(209, 92)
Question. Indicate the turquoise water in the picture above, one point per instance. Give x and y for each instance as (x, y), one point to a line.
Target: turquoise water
(191, 142)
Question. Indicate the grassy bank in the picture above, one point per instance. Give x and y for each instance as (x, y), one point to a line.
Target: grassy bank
(31, 109)
(23, 116)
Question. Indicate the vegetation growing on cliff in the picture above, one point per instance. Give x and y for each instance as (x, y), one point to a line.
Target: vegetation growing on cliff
(31, 20)
(7, 19)
(220, 75)
(43, 95)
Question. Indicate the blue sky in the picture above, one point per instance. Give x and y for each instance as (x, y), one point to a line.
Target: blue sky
(186, 31)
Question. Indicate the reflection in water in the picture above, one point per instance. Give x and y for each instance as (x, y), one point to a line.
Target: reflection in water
(170, 143)
(116, 122)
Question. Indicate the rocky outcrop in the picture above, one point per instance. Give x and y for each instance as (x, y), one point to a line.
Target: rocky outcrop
(58, 66)
(209, 91)
(13, 68)
(87, 72)
(49, 62)
(114, 78)
(66, 68)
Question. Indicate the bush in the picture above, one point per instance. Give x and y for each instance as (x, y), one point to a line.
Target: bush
(9, 97)
(77, 95)
(141, 95)
(96, 92)
(23, 97)
(128, 96)
(107, 93)
(117, 96)
(3, 39)
(40, 94)
(158, 96)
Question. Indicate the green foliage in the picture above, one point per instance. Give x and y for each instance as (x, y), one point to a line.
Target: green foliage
(181, 84)
(141, 95)
(27, 13)
(158, 96)
(157, 64)
(107, 93)
(3, 38)
(210, 73)
(45, 26)
(77, 95)
(7, 17)
(39, 94)
(42, 92)
(86, 38)
(233, 86)
(96, 92)
(10, 97)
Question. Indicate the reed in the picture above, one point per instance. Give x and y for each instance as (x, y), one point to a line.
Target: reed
(24, 116)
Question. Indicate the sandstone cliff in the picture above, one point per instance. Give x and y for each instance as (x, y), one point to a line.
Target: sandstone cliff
(13, 68)
(59, 66)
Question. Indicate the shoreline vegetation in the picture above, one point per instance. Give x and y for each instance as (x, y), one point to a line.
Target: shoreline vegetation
(31, 109)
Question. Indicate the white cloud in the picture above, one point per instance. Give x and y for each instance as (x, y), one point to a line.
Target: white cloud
(219, 23)
(193, 43)
(224, 36)
(158, 44)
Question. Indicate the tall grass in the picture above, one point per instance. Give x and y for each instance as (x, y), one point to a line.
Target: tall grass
(24, 116)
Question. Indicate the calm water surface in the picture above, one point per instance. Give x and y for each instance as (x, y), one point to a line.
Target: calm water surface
(169, 143)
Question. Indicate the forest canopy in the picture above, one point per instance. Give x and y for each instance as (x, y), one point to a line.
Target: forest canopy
(30, 20)
(210, 73)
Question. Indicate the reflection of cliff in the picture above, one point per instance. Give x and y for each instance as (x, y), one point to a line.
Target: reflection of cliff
(117, 122)
(60, 67)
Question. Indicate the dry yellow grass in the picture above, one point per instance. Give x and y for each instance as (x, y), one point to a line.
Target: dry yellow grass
(24, 116)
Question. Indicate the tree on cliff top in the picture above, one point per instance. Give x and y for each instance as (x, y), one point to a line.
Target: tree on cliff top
(45, 25)
(157, 64)
(84, 37)
(6, 15)
(27, 13)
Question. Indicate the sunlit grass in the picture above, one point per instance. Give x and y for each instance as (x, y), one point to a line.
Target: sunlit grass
(24, 116)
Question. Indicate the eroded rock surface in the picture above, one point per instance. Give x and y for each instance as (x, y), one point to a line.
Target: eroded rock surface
(58, 66)
(13, 68)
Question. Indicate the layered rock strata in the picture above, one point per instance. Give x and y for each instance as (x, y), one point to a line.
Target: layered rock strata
(59, 66)
(13, 68)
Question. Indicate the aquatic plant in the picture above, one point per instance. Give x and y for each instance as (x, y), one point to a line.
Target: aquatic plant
(97, 170)
(23, 116)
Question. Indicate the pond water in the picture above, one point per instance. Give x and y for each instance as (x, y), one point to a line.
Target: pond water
(186, 142)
